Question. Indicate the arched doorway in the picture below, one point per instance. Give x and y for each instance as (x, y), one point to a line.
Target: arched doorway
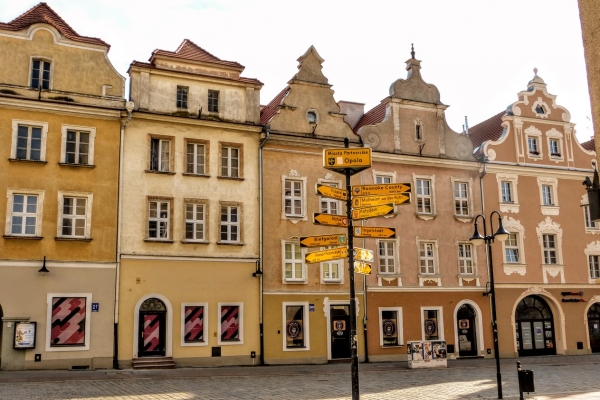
(152, 328)
(534, 327)
(467, 333)
(593, 317)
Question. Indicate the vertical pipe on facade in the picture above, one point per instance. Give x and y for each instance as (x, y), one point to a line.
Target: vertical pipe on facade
(129, 109)
(260, 238)
(362, 223)
(482, 173)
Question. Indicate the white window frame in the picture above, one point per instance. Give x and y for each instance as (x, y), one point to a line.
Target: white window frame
(204, 325)
(384, 174)
(590, 266)
(340, 266)
(399, 326)
(547, 250)
(329, 201)
(513, 179)
(554, 134)
(158, 219)
(229, 167)
(63, 144)
(591, 227)
(204, 221)
(514, 226)
(39, 214)
(592, 249)
(460, 259)
(294, 176)
(305, 325)
(469, 182)
(229, 223)
(241, 319)
(160, 161)
(195, 144)
(395, 257)
(508, 246)
(431, 196)
(15, 134)
(301, 182)
(549, 209)
(440, 311)
(534, 133)
(436, 260)
(549, 227)
(88, 213)
(88, 321)
(303, 278)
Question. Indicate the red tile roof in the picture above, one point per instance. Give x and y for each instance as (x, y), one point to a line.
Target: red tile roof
(590, 145)
(490, 129)
(189, 50)
(374, 116)
(267, 112)
(43, 14)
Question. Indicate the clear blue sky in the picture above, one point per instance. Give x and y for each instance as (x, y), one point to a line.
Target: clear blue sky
(479, 53)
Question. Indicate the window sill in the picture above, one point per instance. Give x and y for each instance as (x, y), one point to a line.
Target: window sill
(62, 164)
(158, 240)
(426, 276)
(426, 217)
(385, 275)
(196, 175)
(72, 239)
(195, 242)
(231, 243)
(392, 346)
(550, 210)
(468, 276)
(23, 160)
(23, 237)
(332, 282)
(233, 178)
(463, 218)
(592, 231)
(151, 171)
(294, 282)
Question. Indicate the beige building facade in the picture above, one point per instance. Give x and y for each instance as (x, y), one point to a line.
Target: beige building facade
(61, 127)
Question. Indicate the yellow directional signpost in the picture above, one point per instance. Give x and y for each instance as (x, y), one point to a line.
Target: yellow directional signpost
(351, 159)
(372, 212)
(362, 268)
(330, 219)
(374, 232)
(365, 255)
(324, 240)
(326, 255)
(331, 192)
(381, 189)
(369, 201)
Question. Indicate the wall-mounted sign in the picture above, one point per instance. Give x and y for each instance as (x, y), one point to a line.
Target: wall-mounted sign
(95, 307)
(24, 335)
(311, 308)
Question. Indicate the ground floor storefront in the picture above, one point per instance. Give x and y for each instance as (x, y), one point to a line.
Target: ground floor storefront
(60, 317)
(196, 312)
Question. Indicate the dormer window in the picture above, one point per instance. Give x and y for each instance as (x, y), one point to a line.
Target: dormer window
(40, 74)
(213, 101)
(182, 97)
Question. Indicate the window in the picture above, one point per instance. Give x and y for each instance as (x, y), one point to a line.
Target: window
(383, 179)
(390, 321)
(40, 74)
(332, 270)
(196, 158)
(293, 198)
(293, 262)
(461, 198)
(427, 259)
(75, 218)
(418, 132)
(554, 148)
(540, 109)
(532, 145)
(24, 215)
(329, 206)
(312, 116)
(589, 224)
(534, 139)
(507, 193)
(511, 249)
(231, 327)
(547, 195)
(194, 330)
(432, 323)
(230, 224)
(549, 249)
(29, 143)
(77, 146)
(465, 259)
(230, 158)
(424, 196)
(160, 155)
(387, 256)
(594, 266)
(195, 222)
(295, 326)
(159, 219)
(67, 315)
(182, 97)
(213, 101)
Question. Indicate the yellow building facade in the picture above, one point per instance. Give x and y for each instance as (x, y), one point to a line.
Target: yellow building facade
(60, 113)
(189, 214)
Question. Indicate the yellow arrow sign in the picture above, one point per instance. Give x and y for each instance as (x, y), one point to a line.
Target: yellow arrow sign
(330, 219)
(369, 201)
(384, 188)
(372, 212)
(324, 240)
(374, 232)
(355, 159)
(331, 192)
(362, 268)
(326, 255)
(363, 254)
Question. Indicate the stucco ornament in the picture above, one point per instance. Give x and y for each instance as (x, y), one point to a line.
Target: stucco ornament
(372, 138)
(515, 269)
(548, 226)
(293, 172)
(329, 176)
(592, 248)
(464, 148)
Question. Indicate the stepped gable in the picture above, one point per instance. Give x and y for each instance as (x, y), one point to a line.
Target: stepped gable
(590, 145)
(372, 117)
(189, 50)
(270, 109)
(43, 14)
(490, 129)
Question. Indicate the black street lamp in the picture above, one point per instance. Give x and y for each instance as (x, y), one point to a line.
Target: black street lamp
(501, 234)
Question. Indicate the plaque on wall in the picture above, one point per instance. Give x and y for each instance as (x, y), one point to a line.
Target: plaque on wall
(24, 335)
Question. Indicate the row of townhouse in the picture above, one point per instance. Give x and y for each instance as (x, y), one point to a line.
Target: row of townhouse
(165, 230)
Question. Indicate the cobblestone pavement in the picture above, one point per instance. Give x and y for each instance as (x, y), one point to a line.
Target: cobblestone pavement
(377, 381)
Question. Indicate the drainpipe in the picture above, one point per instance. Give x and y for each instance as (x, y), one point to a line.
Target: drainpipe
(129, 109)
(266, 130)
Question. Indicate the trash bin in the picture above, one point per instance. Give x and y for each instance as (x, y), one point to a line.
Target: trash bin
(526, 381)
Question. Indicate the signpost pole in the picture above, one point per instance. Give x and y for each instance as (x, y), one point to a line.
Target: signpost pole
(353, 339)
